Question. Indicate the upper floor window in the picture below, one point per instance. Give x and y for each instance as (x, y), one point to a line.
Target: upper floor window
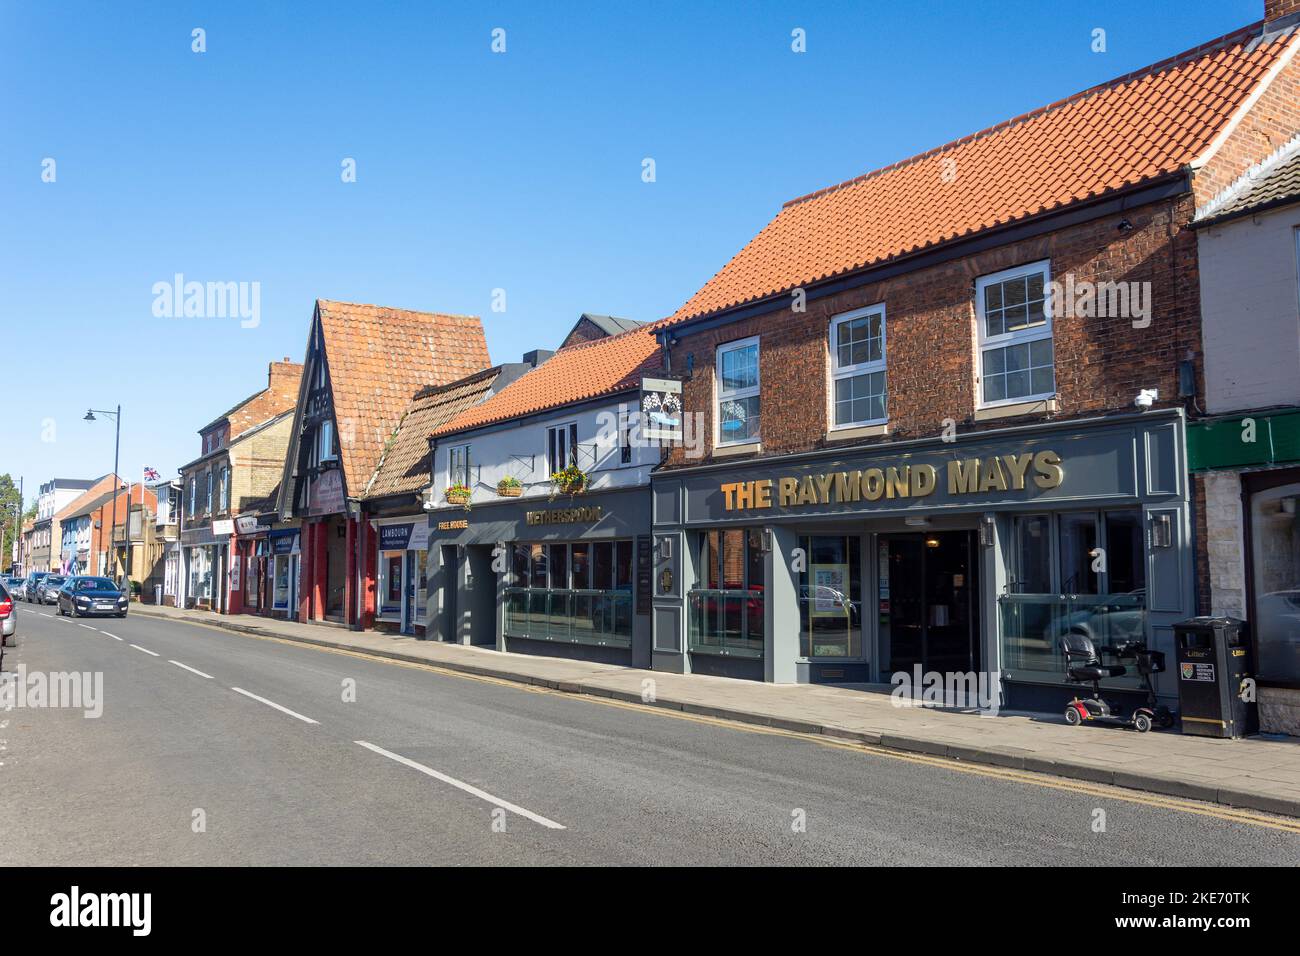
(207, 506)
(562, 446)
(325, 436)
(458, 466)
(194, 494)
(624, 436)
(225, 489)
(1015, 335)
(858, 367)
(737, 385)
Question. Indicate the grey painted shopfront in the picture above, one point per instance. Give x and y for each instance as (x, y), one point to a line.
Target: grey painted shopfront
(971, 556)
(564, 577)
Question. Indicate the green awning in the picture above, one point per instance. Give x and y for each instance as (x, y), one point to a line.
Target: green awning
(1227, 442)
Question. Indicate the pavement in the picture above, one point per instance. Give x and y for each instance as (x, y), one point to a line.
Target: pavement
(1259, 773)
(216, 747)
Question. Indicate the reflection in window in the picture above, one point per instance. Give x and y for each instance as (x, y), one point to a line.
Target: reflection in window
(830, 597)
(1275, 566)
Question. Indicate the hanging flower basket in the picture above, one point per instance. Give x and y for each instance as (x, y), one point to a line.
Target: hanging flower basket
(457, 495)
(571, 481)
(509, 488)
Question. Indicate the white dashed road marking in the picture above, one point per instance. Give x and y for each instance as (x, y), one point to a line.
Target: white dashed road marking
(271, 703)
(113, 636)
(461, 785)
(146, 650)
(190, 669)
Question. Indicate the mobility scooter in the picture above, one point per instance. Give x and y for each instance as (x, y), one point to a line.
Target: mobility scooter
(1083, 666)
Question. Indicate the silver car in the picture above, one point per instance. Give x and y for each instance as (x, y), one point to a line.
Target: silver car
(8, 617)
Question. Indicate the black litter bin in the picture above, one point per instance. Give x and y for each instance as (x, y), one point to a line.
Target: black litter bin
(1214, 662)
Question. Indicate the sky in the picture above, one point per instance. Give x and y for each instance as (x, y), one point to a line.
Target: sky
(475, 170)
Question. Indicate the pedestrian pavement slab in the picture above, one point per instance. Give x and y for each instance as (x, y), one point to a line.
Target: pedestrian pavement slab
(1261, 773)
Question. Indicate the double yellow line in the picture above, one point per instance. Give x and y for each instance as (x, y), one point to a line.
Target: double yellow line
(1142, 798)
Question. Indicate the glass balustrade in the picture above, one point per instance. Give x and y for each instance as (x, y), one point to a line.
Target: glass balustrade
(572, 616)
(1032, 626)
(726, 622)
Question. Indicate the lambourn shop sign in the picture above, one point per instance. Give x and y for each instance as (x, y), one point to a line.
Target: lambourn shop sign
(961, 477)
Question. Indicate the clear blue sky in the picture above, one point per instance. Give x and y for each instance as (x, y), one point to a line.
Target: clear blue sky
(475, 170)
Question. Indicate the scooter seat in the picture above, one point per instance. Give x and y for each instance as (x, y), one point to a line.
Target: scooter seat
(1096, 671)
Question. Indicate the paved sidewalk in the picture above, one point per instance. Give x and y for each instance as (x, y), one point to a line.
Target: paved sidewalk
(1258, 773)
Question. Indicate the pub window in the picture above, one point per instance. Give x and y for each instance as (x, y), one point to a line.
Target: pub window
(458, 466)
(738, 392)
(725, 609)
(857, 349)
(624, 437)
(562, 446)
(575, 593)
(1013, 313)
(1078, 572)
(830, 597)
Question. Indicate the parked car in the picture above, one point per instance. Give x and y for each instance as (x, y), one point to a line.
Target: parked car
(1278, 633)
(8, 617)
(31, 583)
(83, 595)
(47, 592)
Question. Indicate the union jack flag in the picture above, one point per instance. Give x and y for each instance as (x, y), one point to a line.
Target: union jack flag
(150, 474)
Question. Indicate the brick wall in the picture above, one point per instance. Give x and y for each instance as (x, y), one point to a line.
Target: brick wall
(931, 335)
(259, 464)
(1272, 122)
(280, 395)
(1273, 9)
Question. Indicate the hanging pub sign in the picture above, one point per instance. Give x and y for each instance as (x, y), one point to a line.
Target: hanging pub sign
(661, 409)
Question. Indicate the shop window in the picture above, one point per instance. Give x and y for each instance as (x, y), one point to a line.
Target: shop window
(726, 609)
(1081, 572)
(738, 392)
(1015, 335)
(857, 349)
(578, 593)
(830, 597)
(1275, 582)
(562, 446)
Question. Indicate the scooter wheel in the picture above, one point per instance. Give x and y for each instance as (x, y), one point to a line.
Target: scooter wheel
(1072, 716)
(1166, 721)
(1142, 723)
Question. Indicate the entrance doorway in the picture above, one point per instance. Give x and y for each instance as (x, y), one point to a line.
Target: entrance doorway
(927, 602)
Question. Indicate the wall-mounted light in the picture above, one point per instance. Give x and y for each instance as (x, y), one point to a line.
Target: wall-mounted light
(1162, 531)
(917, 522)
(665, 548)
(986, 531)
(767, 541)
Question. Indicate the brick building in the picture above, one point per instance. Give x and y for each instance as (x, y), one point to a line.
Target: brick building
(242, 457)
(941, 407)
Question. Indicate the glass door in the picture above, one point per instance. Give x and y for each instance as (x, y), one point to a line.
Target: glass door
(926, 602)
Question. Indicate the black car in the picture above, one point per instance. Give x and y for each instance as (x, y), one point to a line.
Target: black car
(86, 596)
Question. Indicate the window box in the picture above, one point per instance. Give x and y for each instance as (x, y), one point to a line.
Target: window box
(570, 481)
(457, 495)
(509, 488)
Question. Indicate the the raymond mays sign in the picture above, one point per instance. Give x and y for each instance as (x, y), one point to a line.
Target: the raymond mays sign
(959, 477)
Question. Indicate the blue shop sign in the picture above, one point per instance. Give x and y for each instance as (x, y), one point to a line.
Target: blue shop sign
(394, 537)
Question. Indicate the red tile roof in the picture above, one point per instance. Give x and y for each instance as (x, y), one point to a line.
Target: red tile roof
(602, 367)
(379, 358)
(1137, 128)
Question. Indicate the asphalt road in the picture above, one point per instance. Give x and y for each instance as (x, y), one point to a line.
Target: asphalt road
(423, 767)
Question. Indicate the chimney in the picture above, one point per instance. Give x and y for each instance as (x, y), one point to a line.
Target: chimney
(1278, 9)
(282, 380)
(537, 356)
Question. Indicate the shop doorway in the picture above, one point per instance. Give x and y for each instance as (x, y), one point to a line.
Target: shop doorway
(449, 584)
(928, 603)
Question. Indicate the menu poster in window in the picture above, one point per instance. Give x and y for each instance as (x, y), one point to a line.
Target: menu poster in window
(828, 589)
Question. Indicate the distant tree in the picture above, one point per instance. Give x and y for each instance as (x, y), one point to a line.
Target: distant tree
(9, 501)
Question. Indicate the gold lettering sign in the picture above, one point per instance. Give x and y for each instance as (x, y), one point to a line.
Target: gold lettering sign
(564, 515)
(456, 525)
(964, 476)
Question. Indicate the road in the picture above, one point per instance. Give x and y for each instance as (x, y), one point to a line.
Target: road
(257, 741)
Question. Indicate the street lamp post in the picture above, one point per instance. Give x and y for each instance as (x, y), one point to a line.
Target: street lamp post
(117, 481)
